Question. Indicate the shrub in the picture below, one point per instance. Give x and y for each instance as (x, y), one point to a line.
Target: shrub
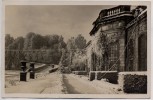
(132, 82)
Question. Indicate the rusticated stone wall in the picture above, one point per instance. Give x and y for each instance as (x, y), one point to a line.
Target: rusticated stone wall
(137, 44)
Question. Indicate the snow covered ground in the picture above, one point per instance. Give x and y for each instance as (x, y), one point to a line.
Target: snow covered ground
(45, 83)
(57, 83)
(104, 85)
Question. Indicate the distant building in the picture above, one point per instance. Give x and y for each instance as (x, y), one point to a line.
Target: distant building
(119, 40)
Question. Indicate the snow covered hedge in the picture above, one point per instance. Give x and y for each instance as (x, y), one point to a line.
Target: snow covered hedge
(133, 82)
(80, 72)
(40, 68)
(111, 76)
(53, 70)
(92, 75)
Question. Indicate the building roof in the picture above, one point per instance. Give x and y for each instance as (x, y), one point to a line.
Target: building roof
(109, 14)
(107, 18)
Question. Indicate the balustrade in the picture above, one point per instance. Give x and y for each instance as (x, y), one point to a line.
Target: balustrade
(115, 10)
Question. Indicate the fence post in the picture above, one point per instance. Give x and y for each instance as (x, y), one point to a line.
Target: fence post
(32, 70)
(23, 73)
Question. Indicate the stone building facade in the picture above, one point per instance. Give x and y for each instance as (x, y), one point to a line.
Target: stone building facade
(119, 40)
(137, 41)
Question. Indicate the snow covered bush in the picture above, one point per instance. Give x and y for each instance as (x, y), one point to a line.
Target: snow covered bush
(133, 82)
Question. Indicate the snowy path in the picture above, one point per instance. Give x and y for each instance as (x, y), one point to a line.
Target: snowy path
(47, 84)
(77, 85)
(56, 83)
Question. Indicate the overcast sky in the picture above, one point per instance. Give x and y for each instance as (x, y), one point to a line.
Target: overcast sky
(62, 20)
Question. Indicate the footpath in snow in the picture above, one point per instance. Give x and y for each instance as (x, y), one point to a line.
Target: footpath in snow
(80, 84)
(57, 83)
(45, 83)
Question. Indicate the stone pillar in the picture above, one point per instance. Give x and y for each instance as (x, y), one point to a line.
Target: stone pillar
(122, 52)
(32, 70)
(23, 73)
(136, 62)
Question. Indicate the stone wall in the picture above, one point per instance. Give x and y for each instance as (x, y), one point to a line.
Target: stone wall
(135, 29)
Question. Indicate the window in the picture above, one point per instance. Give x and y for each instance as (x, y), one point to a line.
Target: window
(113, 55)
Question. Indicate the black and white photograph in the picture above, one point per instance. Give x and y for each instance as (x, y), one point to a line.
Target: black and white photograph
(76, 50)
